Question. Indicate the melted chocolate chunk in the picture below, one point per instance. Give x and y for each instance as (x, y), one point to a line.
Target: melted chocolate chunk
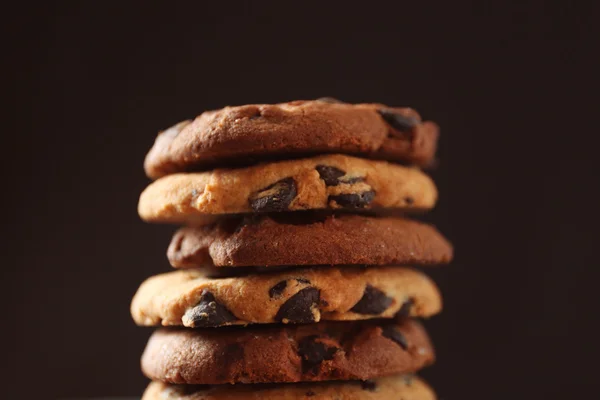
(354, 200)
(331, 175)
(330, 100)
(276, 197)
(298, 308)
(405, 309)
(398, 121)
(208, 312)
(313, 352)
(392, 333)
(352, 180)
(371, 386)
(278, 289)
(373, 301)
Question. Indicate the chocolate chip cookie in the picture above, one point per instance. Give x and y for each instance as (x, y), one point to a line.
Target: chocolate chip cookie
(405, 387)
(324, 182)
(293, 353)
(190, 298)
(244, 134)
(308, 239)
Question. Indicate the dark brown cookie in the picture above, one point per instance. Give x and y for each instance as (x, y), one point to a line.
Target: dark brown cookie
(241, 135)
(405, 387)
(275, 353)
(306, 239)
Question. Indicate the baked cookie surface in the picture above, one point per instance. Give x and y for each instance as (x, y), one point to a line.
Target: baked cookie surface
(243, 134)
(290, 353)
(190, 298)
(402, 387)
(325, 182)
(299, 239)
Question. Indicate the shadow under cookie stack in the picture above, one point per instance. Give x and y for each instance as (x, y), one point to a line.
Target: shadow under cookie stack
(294, 269)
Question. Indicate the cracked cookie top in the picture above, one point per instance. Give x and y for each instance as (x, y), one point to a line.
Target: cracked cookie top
(246, 134)
(290, 353)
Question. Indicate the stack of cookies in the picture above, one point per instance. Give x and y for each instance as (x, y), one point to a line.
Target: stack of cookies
(295, 264)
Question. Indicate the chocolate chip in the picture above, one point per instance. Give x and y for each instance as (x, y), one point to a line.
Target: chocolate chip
(313, 352)
(354, 179)
(409, 200)
(373, 301)
(208, 312)
(354, 200)
(330, 100)
(299, 308)
(276, 197)
(310, 393)
(371, 386)
(398, 121)
(405, 309)
(331, 175)
(276, 290)
(392, 333)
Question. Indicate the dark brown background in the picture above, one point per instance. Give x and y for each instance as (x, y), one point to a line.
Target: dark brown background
(90, 84)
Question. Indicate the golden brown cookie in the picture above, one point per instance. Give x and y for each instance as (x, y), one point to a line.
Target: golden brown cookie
(301, 239)
(190, 298)
(324, 182)
(401, 387)
(245, 134)
(287, 353)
